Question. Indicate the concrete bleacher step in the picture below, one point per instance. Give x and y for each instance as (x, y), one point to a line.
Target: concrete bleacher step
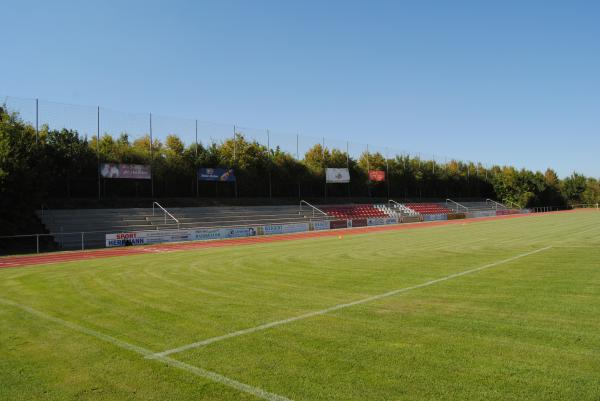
(96, 222)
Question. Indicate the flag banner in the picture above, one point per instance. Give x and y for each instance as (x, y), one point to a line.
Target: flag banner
(376, 175)
(130, 171)
(337, 175)
(216, 174)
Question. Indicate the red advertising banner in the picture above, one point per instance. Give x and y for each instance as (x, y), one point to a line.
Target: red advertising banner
(377, 175)
(131, 171)
(359, 222)
(335, 224)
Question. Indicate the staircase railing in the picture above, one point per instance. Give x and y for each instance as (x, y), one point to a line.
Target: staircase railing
(166, 213)
(314, 208)
(496, 204)
(513, 203)
(395, 203)
(457, 204)
(404, 208)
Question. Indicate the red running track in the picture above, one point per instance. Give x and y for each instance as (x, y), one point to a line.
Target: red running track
(70, 256)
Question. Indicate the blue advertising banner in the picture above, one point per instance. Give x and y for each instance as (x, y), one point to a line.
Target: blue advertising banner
(216, 174)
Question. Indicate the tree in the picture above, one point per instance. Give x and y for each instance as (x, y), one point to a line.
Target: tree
(573, 188)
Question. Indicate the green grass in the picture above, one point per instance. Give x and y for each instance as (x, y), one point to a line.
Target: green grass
(527, 329)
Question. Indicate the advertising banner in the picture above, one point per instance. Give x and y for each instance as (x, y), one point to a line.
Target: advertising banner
(391, 220)
(505, 212)
(320, 225)
(358, 223)
(411, 219)
(221, 233)
(216, 174)
(334, 224)
(207, 234)
(375, 221)
(130, 171)
(158, 236)
(435, 217)
(285, 228)
(481, 213)
(456, 216)
(146, 237)
(377, 175)
(337, 175)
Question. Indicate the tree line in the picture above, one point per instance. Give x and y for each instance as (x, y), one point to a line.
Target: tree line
(36, 166)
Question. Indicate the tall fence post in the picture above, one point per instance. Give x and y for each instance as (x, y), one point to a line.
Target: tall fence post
(368, 168)
(298, 158)
(37, 119)
(151, 160)
(98, 150)
(82, 241)
(270, 164)
(37, 243)
(348, 166)
(324, 167)
(234, 143)
(387, 172)
(235, 184)
(195, 163)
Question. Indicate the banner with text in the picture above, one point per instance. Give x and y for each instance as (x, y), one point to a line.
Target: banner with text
(377, 175)
(221, 233)
(158, 236)
(285, 228)
(146, 237)
(337, 175)
(216, 174)
(130, 171)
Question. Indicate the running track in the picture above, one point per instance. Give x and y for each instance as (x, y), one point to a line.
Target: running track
(70, 256)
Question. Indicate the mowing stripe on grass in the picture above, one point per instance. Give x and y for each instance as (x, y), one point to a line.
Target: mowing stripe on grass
(246, 388)
(338, 307)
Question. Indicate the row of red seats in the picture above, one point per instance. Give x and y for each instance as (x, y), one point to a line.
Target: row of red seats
(428, 208)
(349, 212)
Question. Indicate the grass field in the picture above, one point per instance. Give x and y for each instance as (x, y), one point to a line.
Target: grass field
(493, 310)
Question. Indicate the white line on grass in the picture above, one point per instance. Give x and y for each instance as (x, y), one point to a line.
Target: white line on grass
(147, 353)
(337, 307)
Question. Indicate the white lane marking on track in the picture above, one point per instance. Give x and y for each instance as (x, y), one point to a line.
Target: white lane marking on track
(246, 388)
(337, 307)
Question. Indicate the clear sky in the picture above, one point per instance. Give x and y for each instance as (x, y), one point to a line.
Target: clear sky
(515, 82)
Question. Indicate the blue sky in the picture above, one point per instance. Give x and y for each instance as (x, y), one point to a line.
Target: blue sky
(510, 82)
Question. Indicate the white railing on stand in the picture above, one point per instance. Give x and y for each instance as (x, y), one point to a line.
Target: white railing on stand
(314, 208)
(457, 204)
(496, 204)
(513, 204)
(166, 213)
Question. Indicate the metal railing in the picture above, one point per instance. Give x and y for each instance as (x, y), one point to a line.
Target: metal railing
(403, 208)
(400, 205)
(166, 213)
(509, 202)
(77, 238)
(496, 204)
(314, 208)
(586, 206)
(458, 204)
